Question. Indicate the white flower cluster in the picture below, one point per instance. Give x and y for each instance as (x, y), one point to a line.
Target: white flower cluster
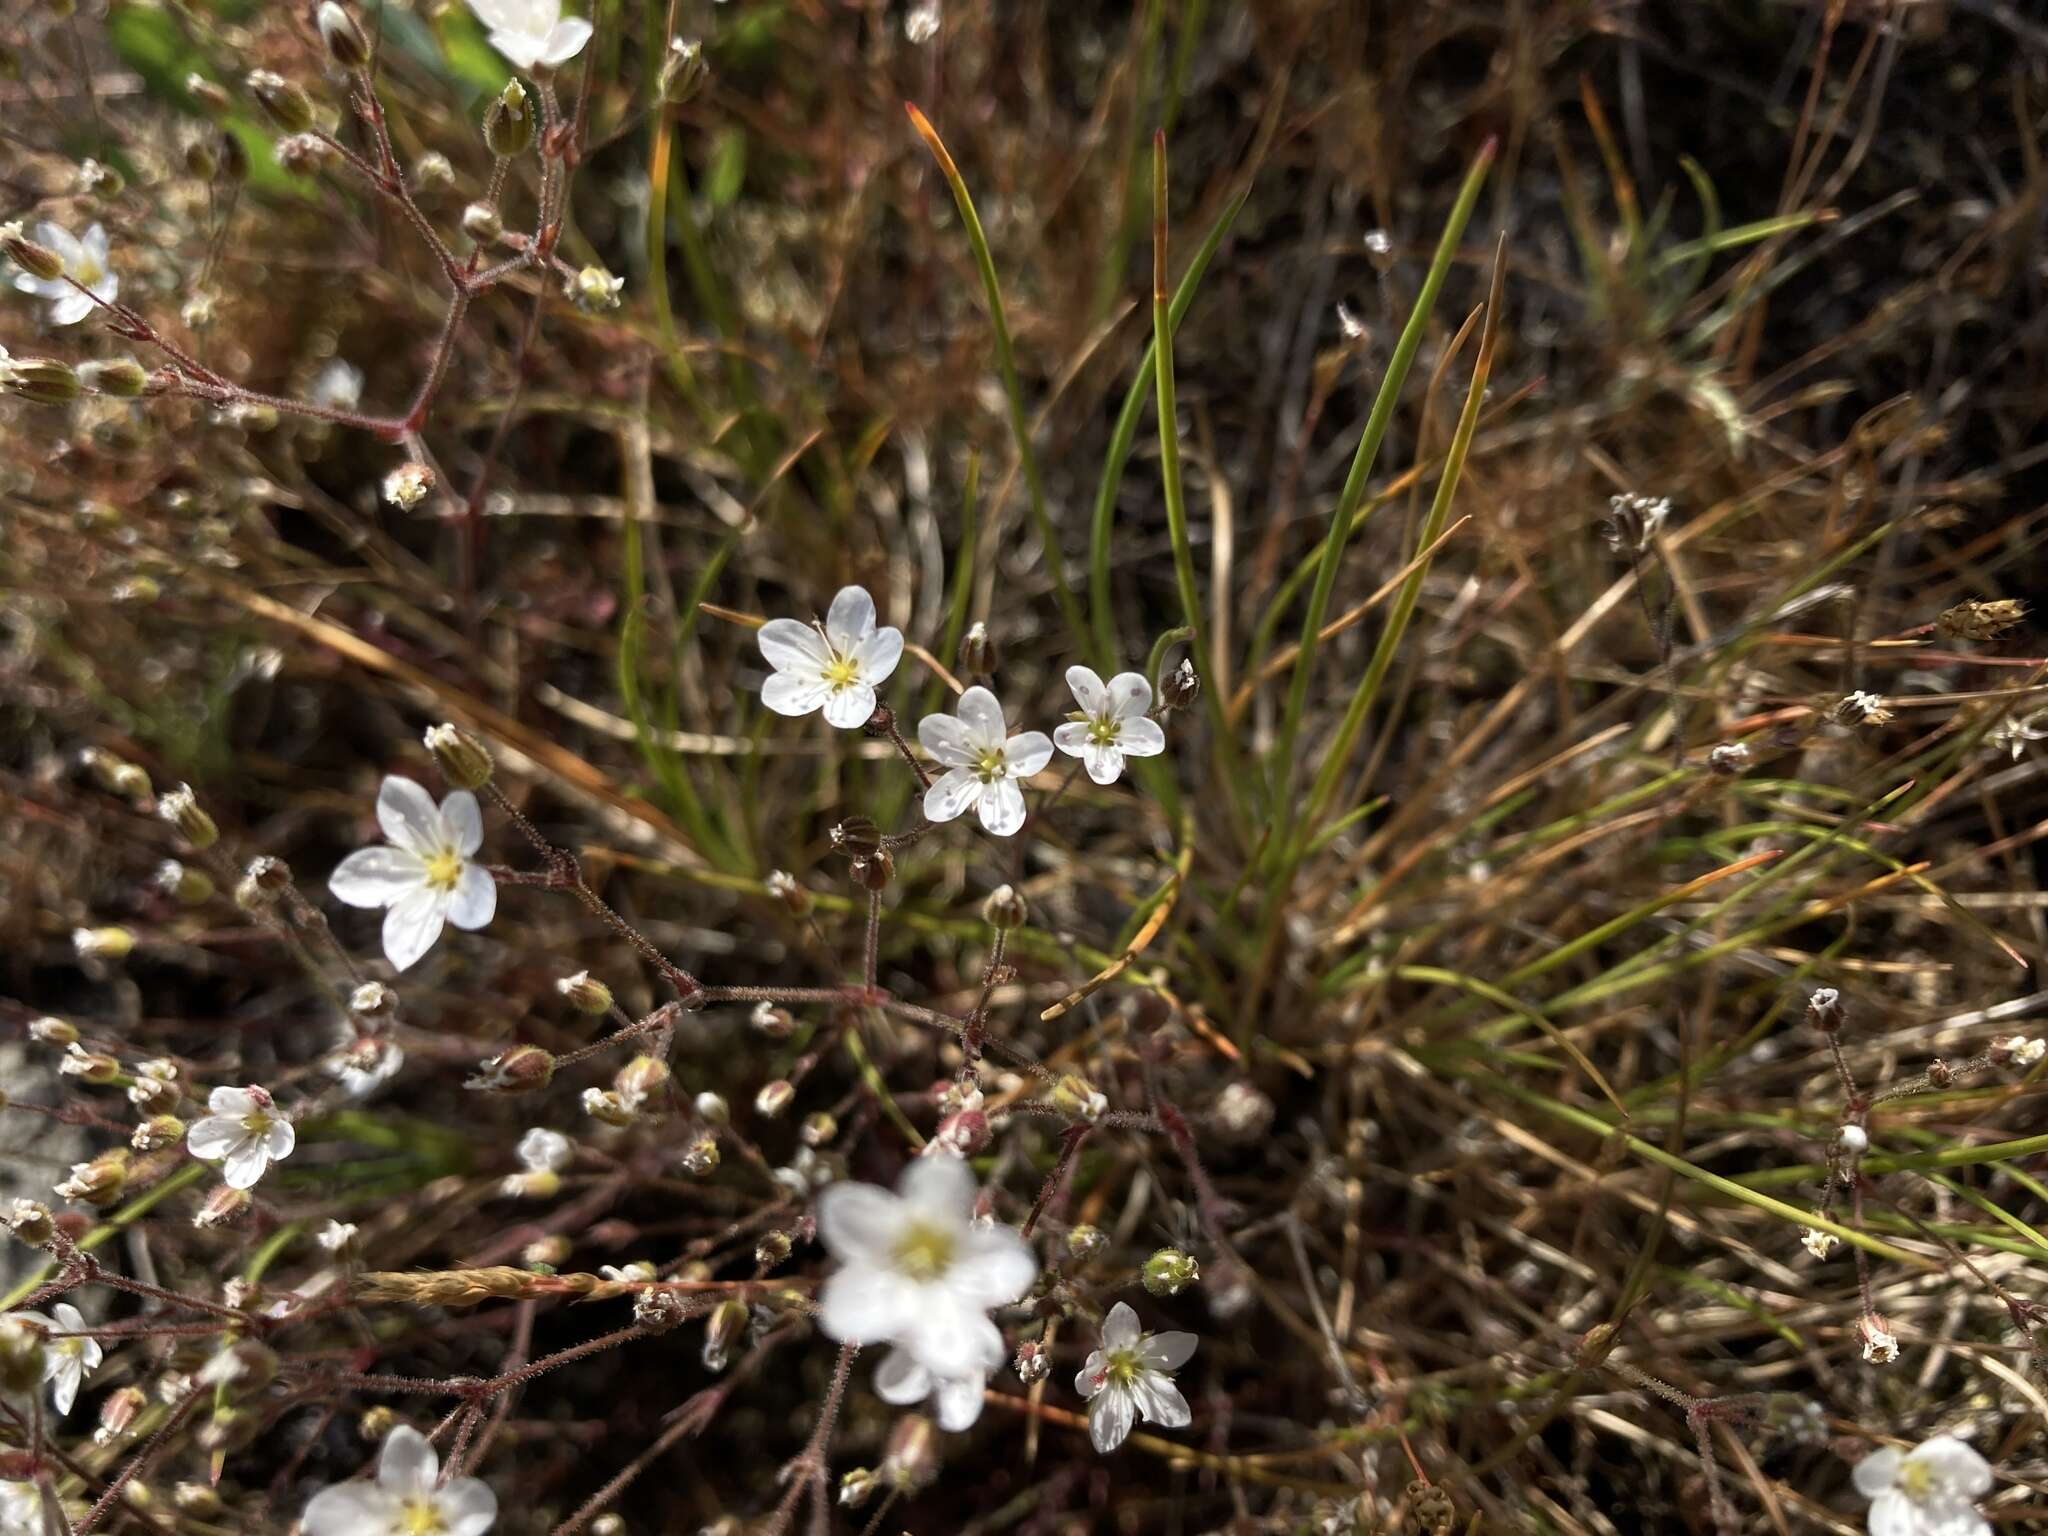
(837, 666)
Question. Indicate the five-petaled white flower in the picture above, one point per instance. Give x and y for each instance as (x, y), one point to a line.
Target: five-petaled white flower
(544, 1151)
(85, 263)
(837, 664)
(426, 877)
(1116, 727)
(245, 1133)
(66, 1362)
(916, 1271)
(983, 768)
(404, 1500)
(1928, 1491)
(21, 1510)
(532, 33)
(1128, 1375)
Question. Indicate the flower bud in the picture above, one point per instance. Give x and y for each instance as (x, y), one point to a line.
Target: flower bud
(432, 172)
(121, 377)
(962, 1133)
(197, 1500)
(43, 380)
(1824, 1010)
(684, 71)
(118, 1413)
(773, 1098)
(659, 1311)
(508, 122)
(222, 1207)
(641, 1079)
(1729, 758)
(783, 886)
(1880, 1344)
(1170, 1271)
(606, 1106)
(343, 38)
(92, 1066)
(522, 1069)
(22, 1353)
(1004, 909)
(1242, 1113)
(465, 761)
(282, 102)
(857, 837)
(110, 943)
(185, 885)
(157, 1132)
(534, 1184)
(99, 1182)
(30, 1222)
(874, 872)
(373, 1000)
(593, 289)
(407, 486)
(978, 655)
(201, 161)
(610, 1523)
(911, 1459)
(234, 165)
(586, 994)
(482, 222)
(772, 1249)
(548, 1253)
(1032, 1362)
(33, 258)
(51, 1030)
(210, 96)
(131, 782)
(302, 153)
(181, 808)
(272, 877)
(98, 179)
(856, 1486)
(776, 1023)
(724, 1328)
(377, 1422)
(1078, 1099)
(1087, 1241)
(700, 1157)
(1182, 687)
(818, 1128)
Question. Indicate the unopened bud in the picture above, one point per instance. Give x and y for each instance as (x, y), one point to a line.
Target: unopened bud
(712, 1107)
(874, 872)
(344, 39)
(700, 1157)
(911, 1459)
(122, 377)
(181, 808)
(51, 1030)
(465, 761)
(772, 1021)
(91, 1066)
(783, 886)
(36, 259)
(856, 1486)
(432, 172)
(1087, 1241)
(856, 837)
(23, 1350)
(549, 1252)
(508, 122)
(283, 102)
(1170, 1271)
(222, 1207)
(683, 71)
(772, 1249)
(1182, 687)
(372, 1000)
(197, 1500)
(818, 1128)
(209, 94)
(659, 1311)
(594, 290)
(1078, 1099)
(641, 1079)
(522, 1069)
(724, 1328)
(200, 160)
(185, 885)
(157, 1132)
(377, 1422)
(407, 486)
(100, 1181)
(978, 655)
(962, 1133)
(110, 943)
(482, 222)
(1004, 909)
(1729, 758)
(586, 994)
(30, 1222)
(607, 1107)
(118, 1413)
(43, 380)
(773, 1098)
(1032, 1362)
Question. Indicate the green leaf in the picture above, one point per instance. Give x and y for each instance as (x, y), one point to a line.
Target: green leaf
(727, 172)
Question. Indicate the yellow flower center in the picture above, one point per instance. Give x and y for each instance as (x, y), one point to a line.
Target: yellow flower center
(1122, 1367)
(256, 1124)
(419, 1517)
(842, 671)
(1916, 1480)
(924, 1252)
(1104, 729)
(991, 765)
(444, 869)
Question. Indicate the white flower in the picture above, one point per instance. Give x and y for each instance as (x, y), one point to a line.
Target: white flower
(1880, 1344)
(1816, 1242)
(85, 262)
(21, 1510)
(66, 1362)
(1116, 727)
(594, 290)
(404, 1500)
(983, 767)
(426, 877)
(1128, 1375)
(1927, 1491)
(1853, 1140)
(245, 1132)
(531, 33)
(407, 486)
(336, 1235)
(544, 1151)
(922, 24)
(837, 665)
(918, 1272)
(366, 1065)
(2024, 1050)
(337, 386)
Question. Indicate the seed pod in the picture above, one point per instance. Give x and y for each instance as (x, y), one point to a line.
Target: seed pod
(33, 258)
(465, 761)
(684, 71)
(586, 994)
(482, 222)
(978, 658)
(1004, 909)
(783, 886)
(344, 39)
(857, 837)
(508, 122)
(522, 1069)
(122, 377)
(1181, 687)
(43, 380)
(726, 1326)
(209, 94)
(181, 808)
(282, 102)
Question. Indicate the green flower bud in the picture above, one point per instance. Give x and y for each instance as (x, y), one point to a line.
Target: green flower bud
(343, 38)
(465, 761)
(508, 122)
(283, 102)
(181, 808)
(684, 71)
(122, 377)
(1170, 1271)
(35, 259)
(45, 380)
(1004, 909)
(586, 993)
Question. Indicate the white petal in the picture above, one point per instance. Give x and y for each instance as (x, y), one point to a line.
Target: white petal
(1958, 1466)
(851, 618)
(1088, 690)
(794, 693)
(523, 51)
(1120, 1329)
(947, 740)
(564, 41)
(462, 822)
(1160, 1400)
(494, 14)
(1167, 1351)
(1877, 1471)
(247, 1160)
(1129, 695)
(411, 927)
(848, 708)
(959, 1401)
(901, 1380)
(232, 1101)
(474, 901)
(466, 1504)
(409, 816)
(950, 1337)
(951, 793)
(377, 877)
(1892, 1514)
(938, 1189)
(994, 1267)
(1105, 762)
(1091, 1378)
(279, 1140)
(1002, 807)
(1109, 1418)
(1071, 738)
(863, 1305)
(62, 241)
(1027, 752)
(982, 715)
(67, 1317)
(66, 1372)
(95, 245)
(107, 288)
(1142, 738)
(790, 646)
(879, 653)
(858, 1223)
(351, 1509)
(408, 1465)
(71, 308)
(212, 1138)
